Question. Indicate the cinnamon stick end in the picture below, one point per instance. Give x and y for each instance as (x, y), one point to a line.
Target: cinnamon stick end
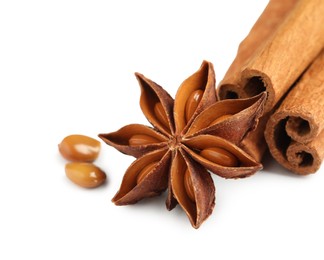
(299, 158)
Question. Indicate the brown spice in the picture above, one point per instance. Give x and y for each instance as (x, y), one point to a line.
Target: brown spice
(266, 25)
(182, 128)
(270, 19)
(86, 175)
(282, 43)
(283, 57)
(82, 150)
(220, 156)
(79, 148)
(295, 132)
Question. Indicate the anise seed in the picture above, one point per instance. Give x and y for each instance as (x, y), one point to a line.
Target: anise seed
(192, 103)
(79, 148)
(145, 171)
(220, 156)
(160, 114)
(188, 186)
(142, 139)
(86, 175)
(220, 119)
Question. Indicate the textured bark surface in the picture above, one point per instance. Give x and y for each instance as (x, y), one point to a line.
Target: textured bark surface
(297, 37)
(266, 25)
(295, 132)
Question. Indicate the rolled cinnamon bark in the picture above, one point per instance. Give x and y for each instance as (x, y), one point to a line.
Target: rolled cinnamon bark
(292, 43)
(271, 17)
(268, 22)
(295, 132)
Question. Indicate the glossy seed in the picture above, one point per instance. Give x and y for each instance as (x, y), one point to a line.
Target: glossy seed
(161, 115)
(220, 156)
(79, 148)
(146, 170)
(220, 119)
(192, 103)
(142, 140)
(86, 175)
(188, 186)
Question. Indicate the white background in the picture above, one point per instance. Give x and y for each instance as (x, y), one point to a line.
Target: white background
(67, 67)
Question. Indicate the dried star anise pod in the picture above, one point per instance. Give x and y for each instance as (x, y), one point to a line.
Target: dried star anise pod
(192, 134)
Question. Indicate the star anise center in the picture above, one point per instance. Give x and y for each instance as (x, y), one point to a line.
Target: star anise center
(175, 142)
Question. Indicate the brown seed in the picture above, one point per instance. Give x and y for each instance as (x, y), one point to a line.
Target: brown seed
(160, 114)
(221, 118)
(220, 156)
(142, 140)
(86, 175)
(192, 103)
(146, 170)
(79, 148)
(188, 186)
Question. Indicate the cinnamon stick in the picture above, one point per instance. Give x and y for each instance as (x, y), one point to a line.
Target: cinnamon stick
(287, 51)
(268, 22)
(271, 17)
(295, 132)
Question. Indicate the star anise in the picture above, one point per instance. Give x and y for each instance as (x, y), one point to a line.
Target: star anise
(191, 135)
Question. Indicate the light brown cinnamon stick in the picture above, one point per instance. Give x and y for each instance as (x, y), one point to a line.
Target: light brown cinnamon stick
(272, 16)
(281, 59)
(295, 132)
(268, 22)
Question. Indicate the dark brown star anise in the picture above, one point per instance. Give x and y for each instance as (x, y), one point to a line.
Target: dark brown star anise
(192, 134)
